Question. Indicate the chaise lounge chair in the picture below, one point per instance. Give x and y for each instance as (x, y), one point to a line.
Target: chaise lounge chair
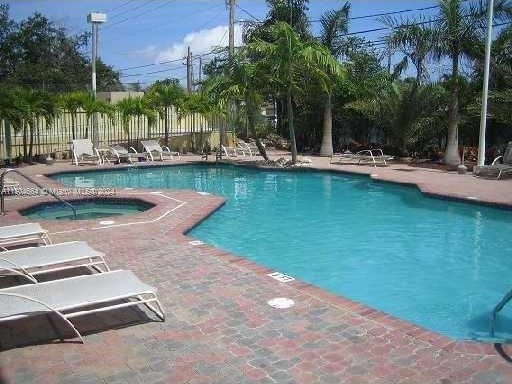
(77, 296)
(83, 151)
(30, 262)
(118, 153)
(154, 149)
(23, 233)
(375, 157)
(497, 170)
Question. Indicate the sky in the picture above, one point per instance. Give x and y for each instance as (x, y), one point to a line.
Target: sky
(141, 32)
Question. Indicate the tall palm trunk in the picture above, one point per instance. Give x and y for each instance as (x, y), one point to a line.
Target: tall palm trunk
(25, 149)
(326, 149)
(251, 121)
(291, 125)
(31, 141)
(166, 121)
(73, 130)
(451, 157)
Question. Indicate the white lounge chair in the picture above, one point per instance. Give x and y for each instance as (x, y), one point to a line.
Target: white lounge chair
(30, 262)
(153, 149)
(83, 151)
(497, 170)
(118, 152)
(374, 157)
(250, 148)
(235, 151)
(23, 233)
(77, 296)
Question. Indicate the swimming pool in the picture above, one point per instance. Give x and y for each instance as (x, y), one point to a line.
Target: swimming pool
(440, 264)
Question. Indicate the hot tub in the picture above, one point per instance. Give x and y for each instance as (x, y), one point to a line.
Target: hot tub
(86, 209)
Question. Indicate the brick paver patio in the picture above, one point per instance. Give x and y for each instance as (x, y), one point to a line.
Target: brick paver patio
(219, 328)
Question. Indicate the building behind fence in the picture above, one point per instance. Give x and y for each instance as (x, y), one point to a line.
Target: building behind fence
(190, 133)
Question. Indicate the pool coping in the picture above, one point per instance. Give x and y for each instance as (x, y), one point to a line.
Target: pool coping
(387, 320)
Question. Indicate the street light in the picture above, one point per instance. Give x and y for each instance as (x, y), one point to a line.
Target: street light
(95, 19)
(483, 117)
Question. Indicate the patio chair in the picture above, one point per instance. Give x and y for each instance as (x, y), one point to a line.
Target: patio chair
(23, 233)
(154, 149)
(497, 170)
(77, 296)
(83, 151)
(118, 153)
(30, 262)
(249, 148)
(375, 157)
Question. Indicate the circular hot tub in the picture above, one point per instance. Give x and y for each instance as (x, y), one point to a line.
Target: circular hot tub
(86, 209)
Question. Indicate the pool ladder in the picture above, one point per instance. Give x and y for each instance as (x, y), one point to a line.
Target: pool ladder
(2, 195)
(497, 309)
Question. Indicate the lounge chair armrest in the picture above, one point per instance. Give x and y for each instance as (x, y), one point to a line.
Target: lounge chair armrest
(133, 149)
(496, 160)
(17, 270)
(31, 299)
(166, 149)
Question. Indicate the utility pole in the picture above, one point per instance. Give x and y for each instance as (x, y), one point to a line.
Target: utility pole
(485, 93)
(200, 69)
(95, 19)
(189, 71)
(232, 4)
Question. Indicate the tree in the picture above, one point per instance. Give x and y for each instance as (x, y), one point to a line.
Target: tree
(286, 58)
(92, 105)
(241, 81)
(334, 24)
(457, 28)
(415, 39)
(162, 96)
(38, 53)
(72, 102)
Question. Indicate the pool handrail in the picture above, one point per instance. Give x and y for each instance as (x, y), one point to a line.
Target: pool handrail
(2, 195)
(498, 308)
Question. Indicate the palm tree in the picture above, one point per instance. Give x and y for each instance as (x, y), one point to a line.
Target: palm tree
(286, 58)
(126, 109)
(415, 39)
(72, 102)
(241, 82)
(457, 28)
(334, 24)
(162, 97)
(91, 106)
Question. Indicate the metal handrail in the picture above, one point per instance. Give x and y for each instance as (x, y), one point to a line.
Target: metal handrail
(498, 308)
(2, 196)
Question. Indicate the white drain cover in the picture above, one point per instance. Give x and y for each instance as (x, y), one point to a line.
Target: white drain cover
(196, 242)
(204, 193)
(107, 222)
(281, 303)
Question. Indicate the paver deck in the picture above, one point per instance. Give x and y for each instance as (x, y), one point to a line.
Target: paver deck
(219, 328)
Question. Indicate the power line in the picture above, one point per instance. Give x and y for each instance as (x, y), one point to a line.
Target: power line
(154, 72)
(131, 9)
(119, 7)
(385, 13)
(140, 14)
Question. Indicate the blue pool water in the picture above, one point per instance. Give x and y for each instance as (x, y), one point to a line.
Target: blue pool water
(440, 264)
